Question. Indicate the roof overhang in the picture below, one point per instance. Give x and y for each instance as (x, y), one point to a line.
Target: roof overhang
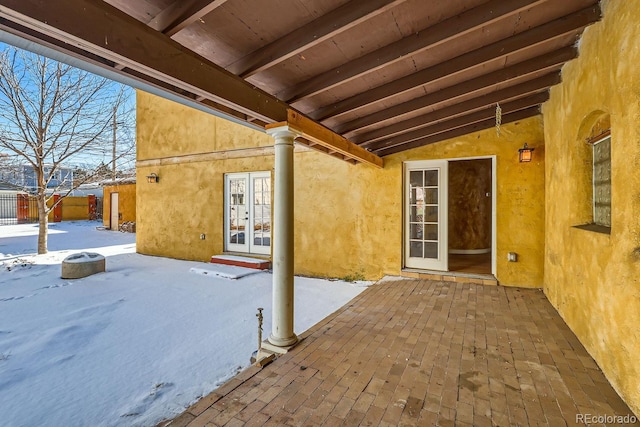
(360, 80)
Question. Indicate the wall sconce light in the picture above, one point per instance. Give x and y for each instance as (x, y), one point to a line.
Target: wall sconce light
(153, 178)
(525, 154)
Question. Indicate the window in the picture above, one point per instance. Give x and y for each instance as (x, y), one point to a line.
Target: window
(590, 180)
(602, 181)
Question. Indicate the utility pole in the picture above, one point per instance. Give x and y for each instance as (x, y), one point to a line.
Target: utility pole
(115, 127)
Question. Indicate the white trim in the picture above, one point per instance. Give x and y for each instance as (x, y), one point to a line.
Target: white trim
(494, 203)
(494, 212)
(228, 246)
(253, 248)
(248, 247)
(442, 262)
(593, 177)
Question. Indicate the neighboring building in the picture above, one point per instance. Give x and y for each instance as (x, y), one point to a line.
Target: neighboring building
(570, 215)
(25, 178)
(62, 178)
(8, 188)
(93, 188)
(119, 202)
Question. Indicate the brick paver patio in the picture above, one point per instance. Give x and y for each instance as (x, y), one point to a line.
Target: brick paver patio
(422, 353)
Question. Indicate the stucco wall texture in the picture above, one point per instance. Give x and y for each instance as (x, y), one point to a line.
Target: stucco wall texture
(469, 206)
(348, 219)
(593, 279)
(520, 193)
(75, 208)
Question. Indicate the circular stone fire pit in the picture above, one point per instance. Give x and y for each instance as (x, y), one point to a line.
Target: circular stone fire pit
(82, 264)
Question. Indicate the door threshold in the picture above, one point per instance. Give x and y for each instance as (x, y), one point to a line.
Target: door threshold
(247, 255)
(450, 276)
(241, 261)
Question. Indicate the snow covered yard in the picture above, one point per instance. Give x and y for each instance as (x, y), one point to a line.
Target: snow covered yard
(131, 346)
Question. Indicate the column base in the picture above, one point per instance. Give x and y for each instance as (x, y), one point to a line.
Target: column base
(279, 345)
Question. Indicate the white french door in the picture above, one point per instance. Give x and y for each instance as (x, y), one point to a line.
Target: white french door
(425, 222)
(247, 217)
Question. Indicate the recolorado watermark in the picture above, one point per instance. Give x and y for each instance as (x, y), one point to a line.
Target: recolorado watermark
(606, 419)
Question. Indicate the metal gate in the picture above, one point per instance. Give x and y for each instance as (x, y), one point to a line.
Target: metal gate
(99, 207)
(18, 209)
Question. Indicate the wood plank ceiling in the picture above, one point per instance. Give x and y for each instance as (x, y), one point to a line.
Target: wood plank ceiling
(389, 75)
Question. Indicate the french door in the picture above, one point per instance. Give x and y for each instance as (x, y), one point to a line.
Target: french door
(247, 221)
(425, 222)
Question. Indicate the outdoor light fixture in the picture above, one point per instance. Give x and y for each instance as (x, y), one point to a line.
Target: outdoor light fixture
(525, 154)
(153, 178)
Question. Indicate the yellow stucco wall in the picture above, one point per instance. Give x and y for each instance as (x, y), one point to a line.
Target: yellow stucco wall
(348, 219)
(593, 278)
(75, 208)
(520, 193)
(166, 129)
(187, 201)
(126, 203)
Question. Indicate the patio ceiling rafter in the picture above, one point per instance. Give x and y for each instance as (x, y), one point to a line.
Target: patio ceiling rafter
(103, 30)
(529, 87)
(309, 35)
(534, 66)
(456, 122)
(368, 72)
(522, 41)
(181, 14)
(460, 131)
(99, 30)
(434, 35)
(320, 138)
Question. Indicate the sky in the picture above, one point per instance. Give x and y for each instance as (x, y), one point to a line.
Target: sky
(125, 129)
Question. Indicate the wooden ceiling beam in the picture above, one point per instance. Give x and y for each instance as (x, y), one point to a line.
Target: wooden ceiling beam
(334, 144)
(547, 62)
(96, 60)
(337, 21)
(325, 150)
(100, 30)
(553, 29)
(467, 119)
(503, 95)
(103, 30)
(429, 37)
(168, 87)
(464, 130)
(181, 14)
(311, 144)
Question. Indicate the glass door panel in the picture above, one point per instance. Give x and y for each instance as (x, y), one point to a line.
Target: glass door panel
(425, 220)
(261, 213)
(248, 212)
(236, 213)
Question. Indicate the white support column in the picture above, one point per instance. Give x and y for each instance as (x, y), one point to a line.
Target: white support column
(282, 334)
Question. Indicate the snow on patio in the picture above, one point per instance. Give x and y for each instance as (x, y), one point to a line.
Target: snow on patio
(131, 346)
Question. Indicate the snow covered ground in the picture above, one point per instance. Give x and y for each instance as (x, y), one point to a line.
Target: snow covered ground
(134, 345)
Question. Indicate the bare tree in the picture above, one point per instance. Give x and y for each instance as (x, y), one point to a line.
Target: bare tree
(52, 114)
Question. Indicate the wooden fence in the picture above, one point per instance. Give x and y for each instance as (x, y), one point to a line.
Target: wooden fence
(23, 208)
